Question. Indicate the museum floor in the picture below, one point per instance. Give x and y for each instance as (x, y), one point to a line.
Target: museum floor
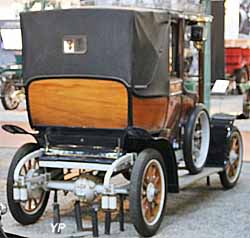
(197, 212)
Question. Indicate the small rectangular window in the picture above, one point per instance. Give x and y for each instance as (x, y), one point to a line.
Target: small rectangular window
(75, 44)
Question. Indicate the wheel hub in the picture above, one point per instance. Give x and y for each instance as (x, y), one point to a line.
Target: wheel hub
(31, 173)
(151, 191)
(233, 156)
(34, 190)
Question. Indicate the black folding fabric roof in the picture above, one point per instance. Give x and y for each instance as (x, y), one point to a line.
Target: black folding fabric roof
(131, 45)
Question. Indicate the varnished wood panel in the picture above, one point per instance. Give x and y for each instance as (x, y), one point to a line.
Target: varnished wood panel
(78, 103)
(150, 113)
(174, 111)
(188, 104)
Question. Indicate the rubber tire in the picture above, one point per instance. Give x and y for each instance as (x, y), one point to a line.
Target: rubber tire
(135, 192)
(187, 146)
(246, 103)
(223, 176)
(15, 209)
(3, 91)
(239, 74)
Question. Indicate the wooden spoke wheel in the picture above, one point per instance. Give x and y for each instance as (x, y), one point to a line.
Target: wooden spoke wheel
(196, 140)
(9, 97)
(36, 198)
(152, 191)
(148, 192)
(28, 211)
(231, 174)
(242, 75)
(246, 104)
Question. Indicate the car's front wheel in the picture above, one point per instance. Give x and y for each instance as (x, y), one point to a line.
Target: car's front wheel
(231, 174)
(196, 140)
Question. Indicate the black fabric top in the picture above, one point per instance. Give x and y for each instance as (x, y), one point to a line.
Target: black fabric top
(129, 45)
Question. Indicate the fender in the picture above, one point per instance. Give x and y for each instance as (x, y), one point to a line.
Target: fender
(167, 151)
(12, 129)
(221, 127)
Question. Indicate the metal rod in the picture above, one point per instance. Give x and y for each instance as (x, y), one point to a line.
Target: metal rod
(55, 196)
(56, 213)
(201, 74)
(207, 57)
(78, 216)
(121, 215)
(208, 181)
(107, 222)
(2, 233)
(95, 220)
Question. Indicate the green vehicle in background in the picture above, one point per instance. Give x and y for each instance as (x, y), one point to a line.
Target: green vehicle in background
(11, 82)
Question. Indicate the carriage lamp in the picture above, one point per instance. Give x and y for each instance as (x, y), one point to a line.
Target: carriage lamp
(199, 35)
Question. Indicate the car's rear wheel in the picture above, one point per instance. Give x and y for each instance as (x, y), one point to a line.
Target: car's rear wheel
(148, 192)
(241, 77)
(246, 104)
(28, 211)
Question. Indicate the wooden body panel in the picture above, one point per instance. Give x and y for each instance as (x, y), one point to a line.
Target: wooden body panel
(83, 103)
(188, 104)
(150, 113)
(174, 112)
(91, 103)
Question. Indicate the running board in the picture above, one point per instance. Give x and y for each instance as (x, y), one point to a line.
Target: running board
(186, 180)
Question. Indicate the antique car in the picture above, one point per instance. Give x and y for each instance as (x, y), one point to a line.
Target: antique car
(106, 95)
(11, 87)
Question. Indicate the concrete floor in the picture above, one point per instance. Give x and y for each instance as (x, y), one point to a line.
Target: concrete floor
(196, 212)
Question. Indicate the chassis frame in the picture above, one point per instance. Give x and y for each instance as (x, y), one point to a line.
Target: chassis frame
(86, 189)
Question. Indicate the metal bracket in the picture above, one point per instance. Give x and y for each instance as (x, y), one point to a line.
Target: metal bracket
(121, 163)
(35, 154)
(56, 212)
